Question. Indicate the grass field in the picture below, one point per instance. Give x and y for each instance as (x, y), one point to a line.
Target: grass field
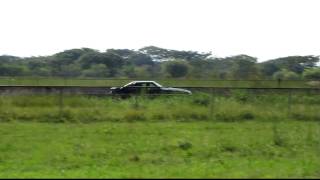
(41, 81)
(234, 135)
(159, 150)
(240, 105)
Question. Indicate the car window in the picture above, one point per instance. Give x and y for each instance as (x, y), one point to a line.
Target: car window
(151, 85)
(131, 85)
(139, 84)
(143, 84)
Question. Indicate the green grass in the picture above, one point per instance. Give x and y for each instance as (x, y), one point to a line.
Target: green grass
(240, 106)
(42, 81)
(160, 150)
(237, 134)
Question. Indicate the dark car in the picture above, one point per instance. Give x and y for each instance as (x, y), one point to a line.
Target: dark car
(146, 87)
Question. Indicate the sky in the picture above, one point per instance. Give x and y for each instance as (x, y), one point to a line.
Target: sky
(265, 29)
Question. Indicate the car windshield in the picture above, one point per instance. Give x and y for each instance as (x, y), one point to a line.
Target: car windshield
(129, 84)
(157, 84)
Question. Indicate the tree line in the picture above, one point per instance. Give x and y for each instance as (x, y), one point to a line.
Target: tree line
(155, 62)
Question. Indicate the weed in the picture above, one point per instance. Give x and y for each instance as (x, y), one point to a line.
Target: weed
(134, 115)
(185, 145)
(278, 140)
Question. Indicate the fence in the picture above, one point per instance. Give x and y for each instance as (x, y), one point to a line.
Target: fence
(205, 103)
(58, 81)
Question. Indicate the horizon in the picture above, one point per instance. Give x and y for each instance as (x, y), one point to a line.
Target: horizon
(212, 55)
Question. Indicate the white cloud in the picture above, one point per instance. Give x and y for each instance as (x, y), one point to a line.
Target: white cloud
(261, 28)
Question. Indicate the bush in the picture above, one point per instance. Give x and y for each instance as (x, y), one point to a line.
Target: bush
(241, 95)
(234, 116)
(246, 115)
(159, 116)
(305, 117)
(312, 74)
(286, 75)
(134, 115)
(189, 114)
(224, 116)
(201, 101)
(177, 68)
(184, 145)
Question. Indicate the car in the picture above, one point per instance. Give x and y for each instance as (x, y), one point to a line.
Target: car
(146, 87)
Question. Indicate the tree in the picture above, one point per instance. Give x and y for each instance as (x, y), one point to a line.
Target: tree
(160, 53)
(112, 61)
(97, 70)
(109, 59)
(12, 70)
(129, 71)
(71, 70)
(7, 58)
(177, 69)
(312, 74)
(268, 69)
(243, 66)
(285, 74)
(69, 56)
(41, 71)
(140, 59)
(59, 60)
(295, 64)
(221, 68)
(200, 68)
(124, 53)
(142, 71)
(155, 62)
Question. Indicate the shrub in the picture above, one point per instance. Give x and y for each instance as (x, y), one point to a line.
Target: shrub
(241, 95)
(223, 116)
(189, 115)
(278, 140)
(134, 115)
(246, 115)
(305, 117)
(6, 116)
(312, 74)
(234, 116)
(201, 102)
(285, 74)
(184, 145)
(159, 116)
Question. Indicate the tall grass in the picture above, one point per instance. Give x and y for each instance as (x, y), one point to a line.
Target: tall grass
(239, 106)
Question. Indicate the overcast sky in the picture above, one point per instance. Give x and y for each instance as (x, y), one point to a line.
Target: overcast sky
(261, 28)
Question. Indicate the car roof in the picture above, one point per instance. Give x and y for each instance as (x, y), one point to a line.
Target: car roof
(132, 82)
(143, 82)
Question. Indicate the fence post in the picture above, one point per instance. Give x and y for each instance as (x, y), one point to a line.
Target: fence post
(37, 80)
(136, 104)
(60, 101)
(211, 104)
(289, 102)
(279, 82)
(65, 81)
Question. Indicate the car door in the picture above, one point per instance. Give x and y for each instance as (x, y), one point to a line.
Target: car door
(152, 88)
(131, 89)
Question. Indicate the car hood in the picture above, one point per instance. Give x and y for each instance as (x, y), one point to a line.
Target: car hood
(176, 89)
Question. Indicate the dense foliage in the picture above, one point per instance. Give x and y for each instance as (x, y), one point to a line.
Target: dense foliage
(155, 62)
